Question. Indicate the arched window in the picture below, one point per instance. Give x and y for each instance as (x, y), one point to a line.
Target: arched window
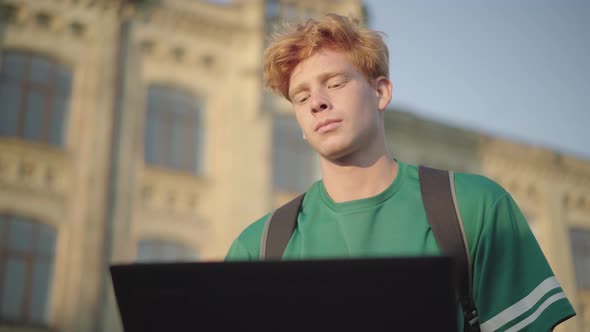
(174, 129)
(34, 94)
(580, 239)
(580, 244)
(292, 157)
(27, 250)
(150, 250)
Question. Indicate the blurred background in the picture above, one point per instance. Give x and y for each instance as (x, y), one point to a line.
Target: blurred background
(139, 131)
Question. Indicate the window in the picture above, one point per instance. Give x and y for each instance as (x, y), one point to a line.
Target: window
(272, 12)
(290, 12)
(272, 9)
(164, 251)
(34, 94)
(27, 250)
(581, 251)
(292, 157)
(221, 2)
(580, 239)
(174, 130)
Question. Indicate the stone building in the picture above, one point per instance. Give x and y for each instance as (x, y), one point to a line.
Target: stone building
(143, 134)
(550, 188)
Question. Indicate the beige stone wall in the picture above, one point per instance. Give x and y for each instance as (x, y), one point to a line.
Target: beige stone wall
(73, 200)
(422, 141)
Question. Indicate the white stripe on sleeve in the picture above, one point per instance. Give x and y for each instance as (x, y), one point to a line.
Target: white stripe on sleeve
(521, 306)
(537, 312)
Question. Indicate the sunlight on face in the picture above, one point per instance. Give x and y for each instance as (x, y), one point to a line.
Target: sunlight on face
(339, 111)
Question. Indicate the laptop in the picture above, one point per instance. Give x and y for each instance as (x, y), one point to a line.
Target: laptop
(364, 294)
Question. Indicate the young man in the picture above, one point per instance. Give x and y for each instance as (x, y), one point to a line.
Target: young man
(335, 74)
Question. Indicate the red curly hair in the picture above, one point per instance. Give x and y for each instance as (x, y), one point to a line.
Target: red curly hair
(364, 47)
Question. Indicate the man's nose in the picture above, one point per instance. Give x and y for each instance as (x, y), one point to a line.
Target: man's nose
(319, 103)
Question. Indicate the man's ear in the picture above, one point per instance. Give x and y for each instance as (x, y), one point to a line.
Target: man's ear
(384, 89)
(304, 137)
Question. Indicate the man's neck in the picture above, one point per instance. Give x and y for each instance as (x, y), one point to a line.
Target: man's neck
(351, 182)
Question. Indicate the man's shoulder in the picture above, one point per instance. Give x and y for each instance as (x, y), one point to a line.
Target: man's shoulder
(253, 232)
(478, 198)
(471, 185)
(477, 186)
(247, 244)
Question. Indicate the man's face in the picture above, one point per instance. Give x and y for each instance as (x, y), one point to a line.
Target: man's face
(336, 106)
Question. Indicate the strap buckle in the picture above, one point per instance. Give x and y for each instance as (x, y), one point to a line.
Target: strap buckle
(472, 318)
(470, 314)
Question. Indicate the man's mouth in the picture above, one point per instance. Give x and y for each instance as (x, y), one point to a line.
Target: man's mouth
(328, 125)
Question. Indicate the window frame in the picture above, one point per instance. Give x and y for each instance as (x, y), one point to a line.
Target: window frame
(188, 253)
(32, 257)
(183, 115)
(575, 233)
(300, 156)
(51, 92)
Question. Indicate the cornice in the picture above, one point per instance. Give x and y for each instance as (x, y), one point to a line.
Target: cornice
(177, 53)
(301, 9)
(530, 171)
(535, 161)
(399, 122)
(195, 24)
(194, 37)
(168, 191)
(56, 19)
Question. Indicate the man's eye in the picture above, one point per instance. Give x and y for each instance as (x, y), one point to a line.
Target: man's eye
(335, 85)
(302, 99)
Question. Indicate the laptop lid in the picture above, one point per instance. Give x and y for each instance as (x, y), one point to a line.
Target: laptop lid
(377, 294)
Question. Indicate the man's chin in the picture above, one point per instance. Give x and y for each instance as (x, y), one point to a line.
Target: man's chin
(336, 156)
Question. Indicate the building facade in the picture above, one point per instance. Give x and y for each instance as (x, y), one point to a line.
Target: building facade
(143, 134)
(550, 188)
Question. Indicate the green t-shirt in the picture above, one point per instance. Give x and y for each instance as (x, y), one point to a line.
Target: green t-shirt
(513, 285)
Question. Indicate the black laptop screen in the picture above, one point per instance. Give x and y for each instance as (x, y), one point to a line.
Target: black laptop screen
(315, 295)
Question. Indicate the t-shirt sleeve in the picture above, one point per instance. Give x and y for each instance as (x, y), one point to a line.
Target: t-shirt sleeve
(246, 247)
(513, 285)
(238, 252)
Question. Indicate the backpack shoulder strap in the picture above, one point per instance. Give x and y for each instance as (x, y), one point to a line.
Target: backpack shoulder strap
(279, 227)
(440, 203)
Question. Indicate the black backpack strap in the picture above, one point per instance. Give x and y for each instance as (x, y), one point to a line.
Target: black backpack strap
(279, 227)
(440, 203)
(442, 211)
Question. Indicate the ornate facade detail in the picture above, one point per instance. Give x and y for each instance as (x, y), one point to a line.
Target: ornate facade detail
(32, 168)
(577, 205)
(501, 155)
(182, 55)
(172, 37)
(289, 10)
(45, 21)
(168, 191)
(195, 22)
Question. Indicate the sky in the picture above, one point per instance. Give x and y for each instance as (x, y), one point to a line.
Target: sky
(515, 69)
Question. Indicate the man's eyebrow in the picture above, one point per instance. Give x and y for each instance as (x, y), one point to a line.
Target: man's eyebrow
(326, 76)
(297, 89)
(322, 77)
